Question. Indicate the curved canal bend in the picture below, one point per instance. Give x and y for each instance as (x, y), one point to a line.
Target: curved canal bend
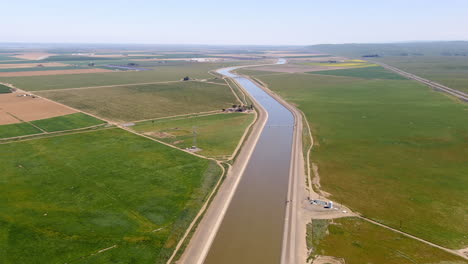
(252, 228)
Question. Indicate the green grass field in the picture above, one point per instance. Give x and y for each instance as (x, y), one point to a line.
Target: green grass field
(4, 89)
(67, 122)
(18, 129)
(348, 63)
(365, 73)
(359, 242)
(65, 198)
(451, 71)
(159, 74)
(138, 102)
(217, 135)
(393, 150)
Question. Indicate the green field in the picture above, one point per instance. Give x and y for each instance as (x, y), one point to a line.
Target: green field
(4, 89)
(16, 130)
(138, 102)
(348, 64)
(365, 73)
(359, 242)
(67, 122)
(449, 71)
(158, 74)
(393, 150)
(217, 135)
(65, 198)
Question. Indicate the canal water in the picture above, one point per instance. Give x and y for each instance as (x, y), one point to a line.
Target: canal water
(252, 229)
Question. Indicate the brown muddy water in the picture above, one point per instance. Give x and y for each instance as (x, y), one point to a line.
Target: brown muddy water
(252, 229)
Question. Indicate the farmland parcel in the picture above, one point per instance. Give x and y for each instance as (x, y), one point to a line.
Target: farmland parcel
(99, 197)
(158, 74)
(393, 150)
(137, 102)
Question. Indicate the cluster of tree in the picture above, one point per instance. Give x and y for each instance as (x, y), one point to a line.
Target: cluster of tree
(239, 108)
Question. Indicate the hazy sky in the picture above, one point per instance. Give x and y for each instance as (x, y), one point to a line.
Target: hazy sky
(233, 22)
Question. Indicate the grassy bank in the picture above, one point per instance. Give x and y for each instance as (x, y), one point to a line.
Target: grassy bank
(65, 199)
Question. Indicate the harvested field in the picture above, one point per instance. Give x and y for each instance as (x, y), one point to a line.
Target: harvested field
(59, 72)
(33, 55)
(30, 65)
(28, 108)
(138, 102)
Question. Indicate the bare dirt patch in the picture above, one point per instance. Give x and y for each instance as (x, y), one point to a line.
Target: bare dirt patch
(59, 72)
(28, 108)
(33, 55)
(328, 260)
(158, 134)
(31, 65)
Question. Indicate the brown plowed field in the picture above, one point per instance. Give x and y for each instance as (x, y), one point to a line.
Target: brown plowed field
(31, 65)
(28, 109)
(5, 118)
(60, 72)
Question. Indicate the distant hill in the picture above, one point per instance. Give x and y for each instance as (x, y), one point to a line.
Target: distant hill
(436, 48)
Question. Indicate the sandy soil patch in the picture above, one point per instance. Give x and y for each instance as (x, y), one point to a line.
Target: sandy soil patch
(31, 65)
(463, 251)
(28, 108)
(59, 72)
(33, 55)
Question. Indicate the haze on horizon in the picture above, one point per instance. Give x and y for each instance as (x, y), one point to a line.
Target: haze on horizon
(301, 22)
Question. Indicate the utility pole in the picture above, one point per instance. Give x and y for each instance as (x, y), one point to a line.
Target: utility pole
(194, 132)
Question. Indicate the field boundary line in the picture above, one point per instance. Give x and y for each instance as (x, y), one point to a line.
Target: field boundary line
(49, 135)
(52, 133)
(104, 86)
(437, 86)
(181, 115)
(28, 122)
(454, 252)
